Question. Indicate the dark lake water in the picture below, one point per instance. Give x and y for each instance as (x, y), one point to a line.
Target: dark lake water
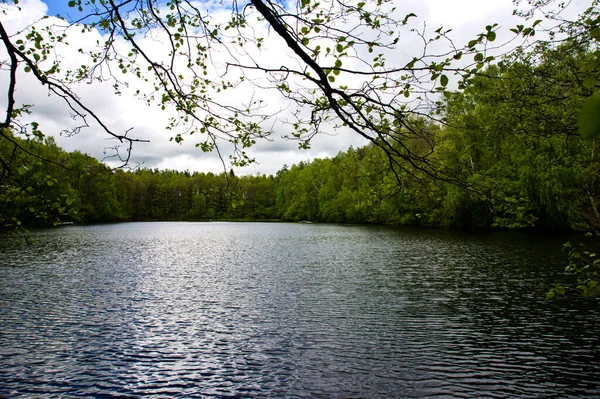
(194, 310)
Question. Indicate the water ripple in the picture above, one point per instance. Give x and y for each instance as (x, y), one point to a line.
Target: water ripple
(293, 311)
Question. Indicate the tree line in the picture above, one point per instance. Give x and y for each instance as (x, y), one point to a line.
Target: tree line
(511, 135)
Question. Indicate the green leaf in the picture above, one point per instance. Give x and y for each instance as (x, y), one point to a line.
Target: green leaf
(72, 3)
(444, 80)
(589, 82)
(589, 117)
(407, 17)
(595, 33)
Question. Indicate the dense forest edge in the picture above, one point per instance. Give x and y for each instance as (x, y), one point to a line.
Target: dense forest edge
(512, 134)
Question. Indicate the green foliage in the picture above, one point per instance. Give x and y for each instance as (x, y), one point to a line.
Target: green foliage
(584, 265)
(589, 118)
(50, 186)
(30, 190)
(510, 136)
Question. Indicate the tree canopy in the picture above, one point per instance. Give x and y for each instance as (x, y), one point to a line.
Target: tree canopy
(511, 135)
(339, 68)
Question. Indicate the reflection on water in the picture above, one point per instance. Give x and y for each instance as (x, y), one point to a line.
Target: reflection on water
(289, 310)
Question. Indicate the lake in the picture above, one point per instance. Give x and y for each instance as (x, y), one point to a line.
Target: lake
(274, 310)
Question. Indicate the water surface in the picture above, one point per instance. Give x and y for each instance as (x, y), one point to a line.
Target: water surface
(290, 310)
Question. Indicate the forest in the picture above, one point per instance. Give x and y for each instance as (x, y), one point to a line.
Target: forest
(510, 140)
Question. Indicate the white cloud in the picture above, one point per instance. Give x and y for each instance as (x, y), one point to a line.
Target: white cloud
(460, 13)
(191, 163)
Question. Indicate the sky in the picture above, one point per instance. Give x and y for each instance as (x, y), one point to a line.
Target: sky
(465, 17)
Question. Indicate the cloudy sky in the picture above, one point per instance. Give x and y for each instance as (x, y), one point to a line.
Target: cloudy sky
(465, 17)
